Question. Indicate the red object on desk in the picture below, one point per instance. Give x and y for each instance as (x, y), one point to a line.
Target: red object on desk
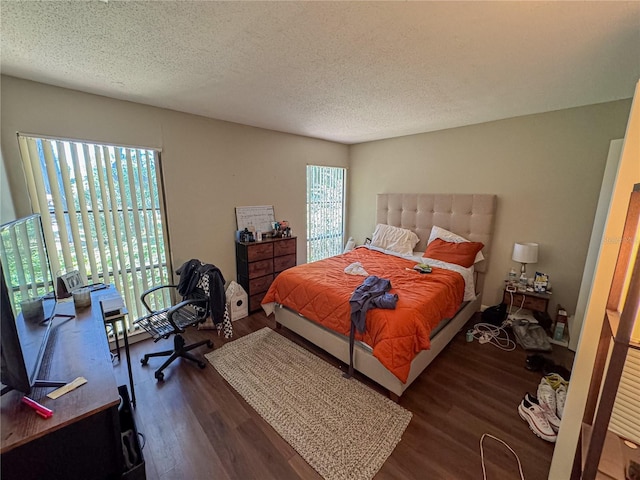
(41, 410)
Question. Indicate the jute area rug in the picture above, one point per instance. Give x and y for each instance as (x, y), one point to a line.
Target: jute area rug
(342, 428)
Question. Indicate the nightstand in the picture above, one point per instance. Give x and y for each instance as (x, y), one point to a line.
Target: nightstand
(536, 302)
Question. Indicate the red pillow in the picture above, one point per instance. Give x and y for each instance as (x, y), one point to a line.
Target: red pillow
(463, 253)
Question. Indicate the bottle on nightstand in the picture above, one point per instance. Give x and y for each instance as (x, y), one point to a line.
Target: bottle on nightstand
(522, 285)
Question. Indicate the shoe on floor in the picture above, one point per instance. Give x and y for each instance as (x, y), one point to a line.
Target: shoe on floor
(555, 380)
(560, 385)
(553, 420)
(547, 400)
(534, 415)
(561, 398)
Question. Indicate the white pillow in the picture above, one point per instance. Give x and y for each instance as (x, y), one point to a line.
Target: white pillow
(447, 236)
(467, 275)
(396, 239)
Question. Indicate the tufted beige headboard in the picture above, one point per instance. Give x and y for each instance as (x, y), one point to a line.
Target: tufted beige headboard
(468, 215)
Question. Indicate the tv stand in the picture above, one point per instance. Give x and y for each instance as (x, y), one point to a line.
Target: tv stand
(48, 383)
(38, 384)
(82, 439)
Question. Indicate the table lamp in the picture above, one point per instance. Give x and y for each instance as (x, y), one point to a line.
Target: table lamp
(525, 253)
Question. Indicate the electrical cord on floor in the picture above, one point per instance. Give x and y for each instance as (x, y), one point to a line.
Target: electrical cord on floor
(511, 305)
(484, 472)
(496, 336)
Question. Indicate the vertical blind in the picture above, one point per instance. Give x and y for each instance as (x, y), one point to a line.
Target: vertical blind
(325, 211)
(102, 213)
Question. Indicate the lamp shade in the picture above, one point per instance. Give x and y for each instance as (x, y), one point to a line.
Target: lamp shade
(525, 252)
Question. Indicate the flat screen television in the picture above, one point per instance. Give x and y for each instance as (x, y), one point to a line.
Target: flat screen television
(25, 258)
(13, 368)
(24, 273)
(22, 346)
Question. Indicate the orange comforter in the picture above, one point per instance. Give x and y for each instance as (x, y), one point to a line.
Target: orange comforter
(321, 290)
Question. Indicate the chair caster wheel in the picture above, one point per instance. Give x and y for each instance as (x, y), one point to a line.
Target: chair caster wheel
(210, 344)
(144, 361)
(201, 365)
(159, 376)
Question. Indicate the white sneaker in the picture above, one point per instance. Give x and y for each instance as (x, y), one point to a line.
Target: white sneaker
(534, 415)
(547, 400)
(555, 380)
(561, 398)
(553, 420)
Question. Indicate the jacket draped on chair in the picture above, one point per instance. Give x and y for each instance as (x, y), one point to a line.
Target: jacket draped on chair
(197, 275)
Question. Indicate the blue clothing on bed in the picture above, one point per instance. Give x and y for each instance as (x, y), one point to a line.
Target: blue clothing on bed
(372, 293)
(363, 299)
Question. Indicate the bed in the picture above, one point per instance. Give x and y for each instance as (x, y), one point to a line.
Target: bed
(468, 215)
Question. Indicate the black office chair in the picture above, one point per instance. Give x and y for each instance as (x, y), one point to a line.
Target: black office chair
(192, 310)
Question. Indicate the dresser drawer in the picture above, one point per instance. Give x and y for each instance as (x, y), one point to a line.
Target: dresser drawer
(260, 284)
(284, 247)
(282, 263)
(254, 301)
(259, 251)
(261, 268)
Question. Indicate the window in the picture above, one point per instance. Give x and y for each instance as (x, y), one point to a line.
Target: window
(325, 211)
(102, 213)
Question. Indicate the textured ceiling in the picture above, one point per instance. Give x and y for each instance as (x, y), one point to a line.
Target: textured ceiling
(343, 71)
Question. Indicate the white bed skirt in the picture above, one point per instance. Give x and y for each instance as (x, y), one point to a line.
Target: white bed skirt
(364, 362)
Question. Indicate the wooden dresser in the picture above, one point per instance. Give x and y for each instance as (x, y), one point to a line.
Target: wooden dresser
(258, 263)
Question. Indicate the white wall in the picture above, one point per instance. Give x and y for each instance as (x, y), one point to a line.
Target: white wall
(628, 174)
(7, 213)
(604, 199)
(209, 166)
(546, 170)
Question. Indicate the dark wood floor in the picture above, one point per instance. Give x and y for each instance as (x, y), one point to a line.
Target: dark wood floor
(197, 427)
